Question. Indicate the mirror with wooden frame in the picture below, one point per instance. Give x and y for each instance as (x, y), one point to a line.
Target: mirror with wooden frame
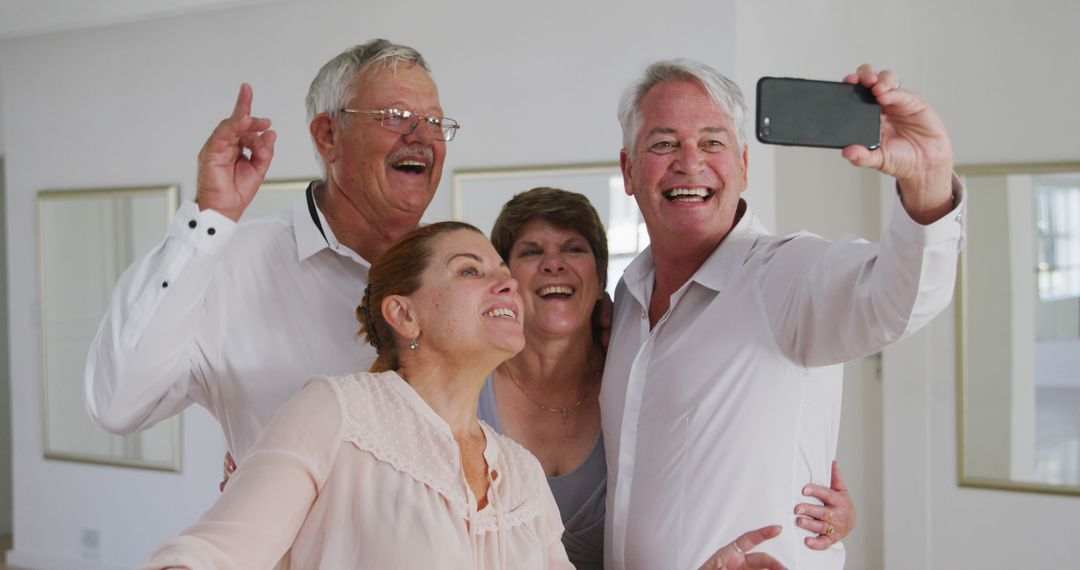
(86, 239)
(1019, 329)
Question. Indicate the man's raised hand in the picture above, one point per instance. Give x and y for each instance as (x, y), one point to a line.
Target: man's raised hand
(234, 160)
(915, 147)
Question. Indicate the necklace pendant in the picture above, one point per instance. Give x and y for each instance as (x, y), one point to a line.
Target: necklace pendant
(563, 413)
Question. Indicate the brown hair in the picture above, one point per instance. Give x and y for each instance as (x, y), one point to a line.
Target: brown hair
(398, 271)
(560, 208)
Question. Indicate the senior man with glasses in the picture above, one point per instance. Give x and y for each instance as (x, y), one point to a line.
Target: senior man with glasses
(235, 316)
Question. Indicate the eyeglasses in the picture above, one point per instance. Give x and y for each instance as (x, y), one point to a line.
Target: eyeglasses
(405, 122)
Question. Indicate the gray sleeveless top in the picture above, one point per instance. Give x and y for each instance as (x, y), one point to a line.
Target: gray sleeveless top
(579, 494)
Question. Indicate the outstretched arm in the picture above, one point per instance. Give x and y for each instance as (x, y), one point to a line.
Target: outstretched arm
(257, 518)
(835, 301)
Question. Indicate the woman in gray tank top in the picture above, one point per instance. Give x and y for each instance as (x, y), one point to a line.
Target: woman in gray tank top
(546, 397)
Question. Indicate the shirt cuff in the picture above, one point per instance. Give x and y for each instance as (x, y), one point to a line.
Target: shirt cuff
(949, 228)
(206, 231)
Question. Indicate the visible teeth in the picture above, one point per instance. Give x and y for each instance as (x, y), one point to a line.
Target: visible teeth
(555, 290)
(501, 312)
(410, 165)
(700, 192)
(687, 194)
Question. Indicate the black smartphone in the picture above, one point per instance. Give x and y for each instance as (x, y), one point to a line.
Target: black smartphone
(804, 112)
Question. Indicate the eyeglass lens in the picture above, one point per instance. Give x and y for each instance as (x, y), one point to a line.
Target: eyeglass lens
(405, 122)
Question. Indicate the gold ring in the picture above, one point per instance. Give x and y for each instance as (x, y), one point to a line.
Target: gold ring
(737, 549)
(830, 531)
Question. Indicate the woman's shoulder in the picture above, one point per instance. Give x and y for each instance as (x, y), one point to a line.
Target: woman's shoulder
(387, 419)
(359, 384)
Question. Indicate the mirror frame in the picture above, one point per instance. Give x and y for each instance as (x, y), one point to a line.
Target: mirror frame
(963, 478)
(462, 176)
(171, 194)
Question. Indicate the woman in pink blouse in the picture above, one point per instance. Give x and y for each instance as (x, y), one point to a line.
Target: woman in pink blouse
(391, 468)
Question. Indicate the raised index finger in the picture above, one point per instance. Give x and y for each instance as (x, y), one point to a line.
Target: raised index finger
(242, 108)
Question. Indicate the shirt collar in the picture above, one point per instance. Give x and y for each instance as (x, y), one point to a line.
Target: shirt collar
(731, 253)
(714, 272)
(309, 238)
(639, 276)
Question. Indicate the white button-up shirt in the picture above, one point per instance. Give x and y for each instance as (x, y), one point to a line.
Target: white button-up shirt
(233, 317)
(716, 418)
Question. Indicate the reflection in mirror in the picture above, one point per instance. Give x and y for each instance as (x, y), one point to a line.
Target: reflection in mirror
(1020, 329)
(86, 240)
(479, 195)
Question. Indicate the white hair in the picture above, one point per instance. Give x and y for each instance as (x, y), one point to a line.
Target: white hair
(332, 87)
(723, 91)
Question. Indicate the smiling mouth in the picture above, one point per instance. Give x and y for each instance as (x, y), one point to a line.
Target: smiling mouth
(501, 313)
(558, 291)
(410, 166)
(688, 195)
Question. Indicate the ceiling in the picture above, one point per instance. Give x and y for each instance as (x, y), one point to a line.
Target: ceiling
(23, 18)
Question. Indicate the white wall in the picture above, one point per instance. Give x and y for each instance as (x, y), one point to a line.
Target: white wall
(993, 71)
(532, 83)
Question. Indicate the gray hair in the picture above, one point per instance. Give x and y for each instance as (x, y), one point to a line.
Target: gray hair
(331, 88)
(723, 91)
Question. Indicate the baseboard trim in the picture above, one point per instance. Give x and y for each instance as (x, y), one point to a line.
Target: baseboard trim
(37, 561)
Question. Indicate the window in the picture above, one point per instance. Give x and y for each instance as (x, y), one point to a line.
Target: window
(1057, 221)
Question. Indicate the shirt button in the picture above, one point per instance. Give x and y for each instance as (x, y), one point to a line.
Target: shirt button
(192, 224)
(211, 231)
(644, 314)
(494, 474)
(164, 284)
(960, 216)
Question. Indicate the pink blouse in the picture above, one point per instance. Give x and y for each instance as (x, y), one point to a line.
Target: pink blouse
(359, 472)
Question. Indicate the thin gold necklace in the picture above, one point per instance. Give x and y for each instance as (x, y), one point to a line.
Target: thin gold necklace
(563, 413)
